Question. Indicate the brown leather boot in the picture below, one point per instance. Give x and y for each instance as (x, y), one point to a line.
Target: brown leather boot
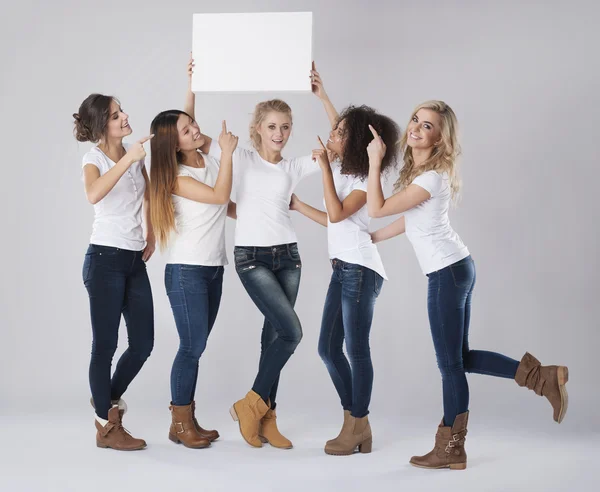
(355, 433)
(449, 449)
(211, 435)
(182, 428)
(114, 436)
(346, 415)
(248, 412)
(548, 381)
(269, 433)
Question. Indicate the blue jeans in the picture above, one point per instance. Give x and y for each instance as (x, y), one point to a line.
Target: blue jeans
(348, 314)
(271, 276)
(195, 294)
(117, 282)
(449, 306)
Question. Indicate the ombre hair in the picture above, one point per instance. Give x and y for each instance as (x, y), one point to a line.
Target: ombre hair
(443, 158)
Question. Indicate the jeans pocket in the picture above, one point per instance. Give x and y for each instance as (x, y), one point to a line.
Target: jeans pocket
(377, 283)
(462, 274)
(243, 256)
(293, 251)
(87, 267)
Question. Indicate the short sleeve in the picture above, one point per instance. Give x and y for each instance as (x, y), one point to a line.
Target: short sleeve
(430, 181)
(304, 166)
(182, 172)
(95, 159)
(238, 153)
(359, 184)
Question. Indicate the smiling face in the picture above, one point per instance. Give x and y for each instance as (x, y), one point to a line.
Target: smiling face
(275, 131)
(337, 139)
(118, 125)
(188, 134)
(424, 129)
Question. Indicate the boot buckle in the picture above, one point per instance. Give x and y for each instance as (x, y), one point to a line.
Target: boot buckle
(180, 424)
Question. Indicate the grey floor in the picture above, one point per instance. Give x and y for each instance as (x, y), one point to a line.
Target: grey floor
(58, 453)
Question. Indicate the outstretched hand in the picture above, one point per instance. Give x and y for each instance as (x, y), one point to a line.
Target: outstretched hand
(321, 155)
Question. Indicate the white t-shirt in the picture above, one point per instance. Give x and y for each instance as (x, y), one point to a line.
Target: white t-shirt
(349, 240)
(263, 193)
(118, 216)
(428, 226)
(200, 227)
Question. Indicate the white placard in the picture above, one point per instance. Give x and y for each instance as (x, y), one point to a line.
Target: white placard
(252, 52)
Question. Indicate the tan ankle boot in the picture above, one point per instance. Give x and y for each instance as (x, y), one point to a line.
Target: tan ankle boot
(346, 415)
(269, 433)
(114, 436)
(449, 449)
(211, 435)
(248, 412)
(120, 403)
(548, 381)
(355, 433)
(183, 430)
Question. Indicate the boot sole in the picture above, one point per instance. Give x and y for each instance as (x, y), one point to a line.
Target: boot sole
(235, 417)
(363, 448)
(176, 440)
(562, 374)
(264, 440)
(106, 446)
(453, 466)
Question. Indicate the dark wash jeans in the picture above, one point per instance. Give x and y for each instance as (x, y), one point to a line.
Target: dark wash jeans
(449, 305)
(195, 295)
(117, 282)
(271, 276)
(348, 314)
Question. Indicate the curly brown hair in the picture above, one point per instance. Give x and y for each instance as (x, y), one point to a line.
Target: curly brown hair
(357, 137)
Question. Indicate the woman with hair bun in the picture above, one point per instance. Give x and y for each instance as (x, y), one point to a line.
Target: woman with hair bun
(114, 269)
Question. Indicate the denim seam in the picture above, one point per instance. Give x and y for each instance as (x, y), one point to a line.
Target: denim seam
(189, 333)
(343, 341)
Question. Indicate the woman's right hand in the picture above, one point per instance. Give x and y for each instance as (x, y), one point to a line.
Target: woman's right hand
(136, 152)
(317, 84)
(227, 140)
(190, 68)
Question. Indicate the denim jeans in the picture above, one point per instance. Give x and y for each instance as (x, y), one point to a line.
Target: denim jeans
(348, 314)
(195, 294)
(117, 282)
(449, 306)
(271, 276)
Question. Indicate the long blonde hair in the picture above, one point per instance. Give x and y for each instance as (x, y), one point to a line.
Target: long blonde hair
(261, 111)
(444, 155)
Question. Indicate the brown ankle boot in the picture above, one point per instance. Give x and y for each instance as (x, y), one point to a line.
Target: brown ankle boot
(182, 428)
(548, 381)
(449, 449)
(114, 436)
(211, 435)
(355, 433)
(346, 415)
(269, 433)
(248, 412)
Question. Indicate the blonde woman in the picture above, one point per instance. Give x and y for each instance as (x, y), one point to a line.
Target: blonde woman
(427, 183)
(266, 255)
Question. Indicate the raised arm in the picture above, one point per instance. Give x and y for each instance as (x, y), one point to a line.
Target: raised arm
(377, 205)
(190, 103)
(191, 189)
(319, 90)
(312, 213)
(96, 186)
(337, 210)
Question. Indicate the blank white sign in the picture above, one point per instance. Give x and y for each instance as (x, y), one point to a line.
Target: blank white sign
(252, 52)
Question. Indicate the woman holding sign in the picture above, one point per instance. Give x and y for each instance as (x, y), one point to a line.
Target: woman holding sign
(358, 272)
(428, 182)
(266, 255)
(190, 195)
(114, 270)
